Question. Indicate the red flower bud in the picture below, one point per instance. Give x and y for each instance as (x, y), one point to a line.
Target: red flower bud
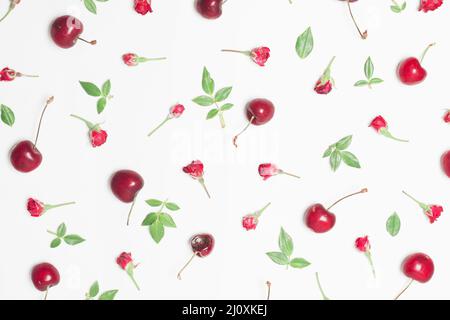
(267, 170)
(378, 123)
(7, 74)
(98, 137)
(124, 259)
(176, 111)
(260, 55)
(249, 222)
(35, 207)
(447, 117)
(130, 59)
(362, 244)
(323, 88)
(142, 6)
(195, 169)
(429, 5)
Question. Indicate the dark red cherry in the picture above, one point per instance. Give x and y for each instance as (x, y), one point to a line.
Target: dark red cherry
(410, 70)
(209, 9)
(202, 245)
(66, 31)
(260, 111)
(25, 157)
(125, 184)
(44, 276)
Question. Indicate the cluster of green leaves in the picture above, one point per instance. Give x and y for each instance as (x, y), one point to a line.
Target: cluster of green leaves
(70, 239)
(337, 153)
(7, 115)
(94, 91)
(91, 6)
(397, 8)
(283, 257)
(368, 71)
(94, 290)
(212, 98)
(304, 44)
(159, 219)
(393, 224)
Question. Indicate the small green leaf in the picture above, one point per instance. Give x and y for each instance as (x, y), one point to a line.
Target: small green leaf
(91, 6)
(305, 44)
(91, 89)
(299, 263)
(157, 231)
(7, 115)
(106, 88)
(368, 68)
(101, 104)
(55, 243)
(335, 160)
(285, 243)
(278, 258)
(108, 295)
(393, 224)
(207, 82)
(150, 219)
(154, 202)
(212, 113)
(94, 289)
(167, 220)
(61, 231)
(344, 143)
(73, 239)
(361, 83)
(375, 81)
(222, 94)
(204, 101)
(226, 106)
(328, 152)
(396, 9)
(350, 159)
(172, 206)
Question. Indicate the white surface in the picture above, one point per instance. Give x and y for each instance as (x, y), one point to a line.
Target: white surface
(303, 126)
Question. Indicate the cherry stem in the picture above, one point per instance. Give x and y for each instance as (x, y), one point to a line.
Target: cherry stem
(49, 100)
(350, 195)
(289, 174)
(159, 126)
(324, 297)
(46, 293)
(242, 131)
(20, 74)
(425, 51)
(269, 285)
(237, 51)
(12, 5)
(259, 213)
(401, 292)
(92, 42)
(202, 182)
(131, 210)
(53, 206)
(185, 266)
(362, 34)
(89, 124)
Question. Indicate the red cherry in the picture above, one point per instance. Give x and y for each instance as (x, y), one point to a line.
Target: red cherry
(126, 184)
(44, 276)
(418, 267)
(66, 30)
(202, 246)
(410, 70)
(446, 163)
(321, 220)
(209, 9)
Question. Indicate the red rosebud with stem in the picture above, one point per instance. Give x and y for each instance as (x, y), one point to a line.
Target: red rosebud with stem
(380, 125)
(125, 261)
(447, 116)
(174, 112)
(250, 221)
(97, 136)
(12, 5)
(267, 170)
(132, 59)
(142, 6)
(37, 208)
(363, 245)
(7, 74)
(432, 211)
(325, 84)
(259, 55)
(430, 5)
(195, 170)
(363, 34)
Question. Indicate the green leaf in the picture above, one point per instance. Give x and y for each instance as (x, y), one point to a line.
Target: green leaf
(101, 104)
(73, 239)
(108, 295)
(157, 231)
(172, 206)
(61, 231)
(94, 289)
(299, 263)
(375, 80)
(285, 243)
(222, 94)
(207, 82)
(91, 6)
(167, 220)
(55, 243)
(91, 89)
(305, 44)
(396, 9)
(328, 152)
(150, 219)
(7, 115)
(212, 113)
(154, 202)
(204, 101)
(344, 143)
(106, 88)
(361, 83)
(226, 106)
(393, 224)
(368, 68)
(404, 6)
(335, 160)
(350, 159)
(278, 258)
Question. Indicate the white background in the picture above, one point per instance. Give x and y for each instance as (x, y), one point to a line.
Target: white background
(304, 125)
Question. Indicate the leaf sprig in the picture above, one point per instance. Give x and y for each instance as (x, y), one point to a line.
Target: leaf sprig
(7, 115)
(94, 290)
(212, 98)
(103, 94)
(368, 71)
(283, 257)
(396, 7)
(159, 219)
(337, 154)
(91, 5)
(304, 44)
(70, 239)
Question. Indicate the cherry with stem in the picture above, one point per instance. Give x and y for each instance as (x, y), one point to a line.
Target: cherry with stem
(362, 34)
